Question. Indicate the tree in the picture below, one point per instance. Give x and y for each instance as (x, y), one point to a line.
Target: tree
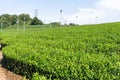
(24, 17)
(5, 20)
(54, 24)
(72, 24)
(13, 19)
(36, 21)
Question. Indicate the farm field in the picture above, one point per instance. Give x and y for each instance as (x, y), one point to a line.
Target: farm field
(89, 52)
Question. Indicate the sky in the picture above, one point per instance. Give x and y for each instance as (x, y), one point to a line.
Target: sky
(73, 11)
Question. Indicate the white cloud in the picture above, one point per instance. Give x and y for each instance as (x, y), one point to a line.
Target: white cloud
(113, 4)
(85, 16)
(104, 10)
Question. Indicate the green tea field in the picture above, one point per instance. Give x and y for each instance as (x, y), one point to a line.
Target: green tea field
(88, 52)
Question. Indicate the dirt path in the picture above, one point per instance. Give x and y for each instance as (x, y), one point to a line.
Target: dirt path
(6, 74)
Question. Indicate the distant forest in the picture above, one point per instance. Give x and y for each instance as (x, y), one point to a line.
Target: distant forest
(7, 20)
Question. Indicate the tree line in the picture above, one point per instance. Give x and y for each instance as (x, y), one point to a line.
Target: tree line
(7, 20)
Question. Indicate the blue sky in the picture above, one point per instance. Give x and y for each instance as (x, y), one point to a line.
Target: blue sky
(88, 11)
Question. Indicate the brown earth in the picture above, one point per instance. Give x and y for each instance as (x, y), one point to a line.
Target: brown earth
(6, 74)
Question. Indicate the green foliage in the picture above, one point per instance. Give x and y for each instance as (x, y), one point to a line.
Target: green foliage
(89, 52)
(36, 21)
(55, 24)
(72, 24)
(8, 20)
(24, 18)
(36, 76)
(5, 20)
(13, 19)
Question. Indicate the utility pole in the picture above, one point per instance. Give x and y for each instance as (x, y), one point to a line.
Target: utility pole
(96, 19)
(60, 17)
(10, 25)
(1, 26)
(36, 12)
(24, 22)
(89, 20)
(118, 15)
(18, 22)
(76, 19)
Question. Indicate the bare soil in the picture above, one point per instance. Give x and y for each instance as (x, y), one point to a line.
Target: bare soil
(6, 74)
